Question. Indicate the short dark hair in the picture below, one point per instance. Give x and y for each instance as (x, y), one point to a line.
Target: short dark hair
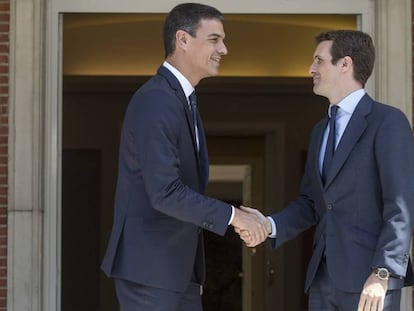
(355, 44)
(187, 17)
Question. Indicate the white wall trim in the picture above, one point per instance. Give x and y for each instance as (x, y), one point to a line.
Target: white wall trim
(35, 117)
(394, 49)
(229, 6)
(24, 259)
(393, 70)
(393, 73)
(242, 174)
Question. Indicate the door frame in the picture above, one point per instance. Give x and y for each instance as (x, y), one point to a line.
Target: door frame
(35, 107)
(240, 173)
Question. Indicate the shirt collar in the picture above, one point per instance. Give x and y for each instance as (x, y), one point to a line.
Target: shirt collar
(185, 84)
(349, 103)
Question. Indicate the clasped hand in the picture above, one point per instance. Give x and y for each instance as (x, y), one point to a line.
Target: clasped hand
(252, 226)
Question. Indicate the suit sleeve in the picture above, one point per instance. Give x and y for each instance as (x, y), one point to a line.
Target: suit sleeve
(157, 122)
(300, 214)
(394, 151)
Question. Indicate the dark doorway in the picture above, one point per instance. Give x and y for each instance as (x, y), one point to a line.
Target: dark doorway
(81, 188)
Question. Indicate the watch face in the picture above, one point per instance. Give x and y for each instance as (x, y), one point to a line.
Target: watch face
(383, 274)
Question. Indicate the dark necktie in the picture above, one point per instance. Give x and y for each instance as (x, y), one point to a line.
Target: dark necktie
(330, 144)
(193, 105)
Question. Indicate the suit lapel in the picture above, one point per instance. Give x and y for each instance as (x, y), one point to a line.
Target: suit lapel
(355, 128)
(202, 158)
(174, 83)
(176, 86)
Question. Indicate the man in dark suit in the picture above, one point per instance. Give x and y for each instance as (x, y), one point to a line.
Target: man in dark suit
(156, 252)
(359, 192)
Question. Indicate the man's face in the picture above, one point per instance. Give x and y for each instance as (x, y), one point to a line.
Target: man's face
(325, 74)
(206, 48)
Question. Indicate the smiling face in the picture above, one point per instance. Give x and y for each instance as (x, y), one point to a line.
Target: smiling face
(205, 49)
(326, 76)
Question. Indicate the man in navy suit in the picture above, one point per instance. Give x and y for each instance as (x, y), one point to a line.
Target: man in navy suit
(156, 252)
(362, 199)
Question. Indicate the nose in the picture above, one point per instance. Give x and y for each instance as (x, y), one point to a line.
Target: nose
(312, 69)
(223, 49)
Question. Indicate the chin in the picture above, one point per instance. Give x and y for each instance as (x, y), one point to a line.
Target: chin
(214, 70)
(317, 90)
(213, 73)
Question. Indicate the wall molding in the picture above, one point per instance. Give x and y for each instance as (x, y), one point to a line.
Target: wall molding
(25, 212)
(35, 118)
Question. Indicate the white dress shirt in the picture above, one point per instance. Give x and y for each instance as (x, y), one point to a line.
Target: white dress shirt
(346, 108)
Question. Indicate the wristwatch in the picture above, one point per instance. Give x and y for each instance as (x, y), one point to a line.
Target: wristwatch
(382, 273)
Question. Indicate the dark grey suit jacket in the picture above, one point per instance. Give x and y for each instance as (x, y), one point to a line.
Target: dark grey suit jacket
(160, 211)
(364, 213)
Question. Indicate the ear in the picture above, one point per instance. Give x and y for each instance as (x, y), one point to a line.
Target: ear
(347, 63)
(181, 39)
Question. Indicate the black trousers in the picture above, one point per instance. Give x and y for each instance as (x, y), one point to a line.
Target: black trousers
(138, 297)
(323, 296)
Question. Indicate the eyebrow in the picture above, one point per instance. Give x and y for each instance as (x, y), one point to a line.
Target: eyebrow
(215, 35)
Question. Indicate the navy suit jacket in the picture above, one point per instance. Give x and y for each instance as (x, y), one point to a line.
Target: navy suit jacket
(160, 211)
(364, 212)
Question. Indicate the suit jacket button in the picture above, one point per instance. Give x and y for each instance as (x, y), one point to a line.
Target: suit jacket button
(330, 206)
(207, 225)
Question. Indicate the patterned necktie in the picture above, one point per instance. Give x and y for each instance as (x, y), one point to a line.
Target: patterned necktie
(193, 105)
(330, 144)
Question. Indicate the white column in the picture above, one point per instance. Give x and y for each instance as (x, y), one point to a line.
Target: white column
(393, 67)
(25, 149)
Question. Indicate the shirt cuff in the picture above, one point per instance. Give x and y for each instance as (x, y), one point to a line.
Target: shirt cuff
(274, 229)
(232, 215)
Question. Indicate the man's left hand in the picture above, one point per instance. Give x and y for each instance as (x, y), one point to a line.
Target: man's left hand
(373, 294)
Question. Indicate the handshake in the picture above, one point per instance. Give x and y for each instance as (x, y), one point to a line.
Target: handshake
(252, 226)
